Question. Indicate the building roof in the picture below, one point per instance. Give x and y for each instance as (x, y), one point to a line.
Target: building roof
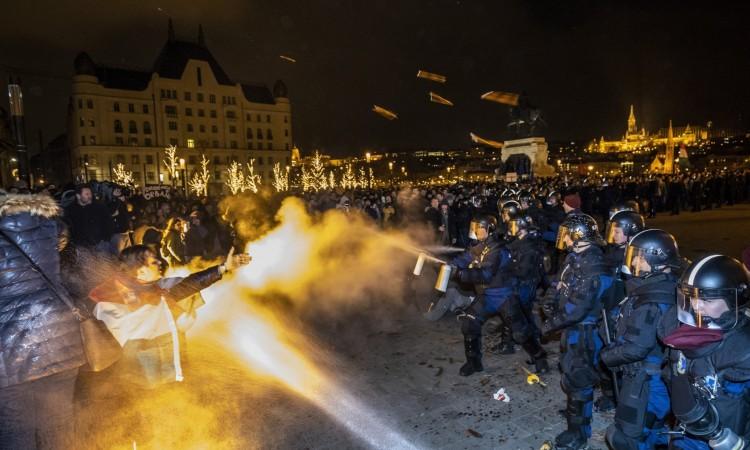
(257, 93)
(114, 78)
(175, 55)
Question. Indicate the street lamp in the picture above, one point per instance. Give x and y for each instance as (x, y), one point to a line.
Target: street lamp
(367, 156)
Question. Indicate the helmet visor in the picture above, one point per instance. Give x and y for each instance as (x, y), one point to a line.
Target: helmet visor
(637, 261)
(714, 309)
(615, 233)
(475, 230)
(513, 228)
(562, 233)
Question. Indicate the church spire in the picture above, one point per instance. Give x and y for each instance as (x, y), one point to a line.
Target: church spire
(170, 31)
(201, 38)
(631, 121)
(669, 154)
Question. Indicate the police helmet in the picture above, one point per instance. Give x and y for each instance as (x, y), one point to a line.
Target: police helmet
(580, 228)
(553, 198)
(705, 284)
(630, 205)
(509, 210)
(521, 222)
(657, 248)
(630, 222)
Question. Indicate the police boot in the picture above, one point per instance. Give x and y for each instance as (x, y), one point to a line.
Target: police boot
(506, 345)
(538, 357)
(607, 400)
(574, 438)
(473, 349)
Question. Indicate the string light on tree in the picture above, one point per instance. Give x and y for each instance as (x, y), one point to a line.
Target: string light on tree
(171, 162)
(280, 178)
(317, 173)
(348, 181)
(362, 181)
(199, 183)
(122, 175)
(252, 180)
(235, 178)
(331, 180)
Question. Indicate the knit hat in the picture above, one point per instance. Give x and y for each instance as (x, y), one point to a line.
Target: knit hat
(573, 201)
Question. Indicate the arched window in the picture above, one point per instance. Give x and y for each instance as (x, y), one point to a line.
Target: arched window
(132, 127)
(118, 126)
(259, 134)
(269, 136)
(249, 133)
(147, 127)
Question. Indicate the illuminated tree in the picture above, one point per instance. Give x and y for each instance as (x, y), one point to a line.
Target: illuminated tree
(348, 180)
(122, 175)
(317, 173)
(362, 180)
(172, 163)
(252, 180)
(235, 180)
(280, 178)
(331, 180)
(307, 183)
(199, 183)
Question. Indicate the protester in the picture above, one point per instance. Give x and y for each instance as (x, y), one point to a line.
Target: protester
(40, 339)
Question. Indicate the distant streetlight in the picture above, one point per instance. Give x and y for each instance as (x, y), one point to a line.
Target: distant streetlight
(368, 155)
(591, 168)
(390, 166)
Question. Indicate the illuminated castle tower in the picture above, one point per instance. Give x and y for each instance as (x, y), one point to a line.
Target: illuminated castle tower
(631, 122)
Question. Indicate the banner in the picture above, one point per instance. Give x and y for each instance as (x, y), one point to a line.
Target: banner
(156, 191)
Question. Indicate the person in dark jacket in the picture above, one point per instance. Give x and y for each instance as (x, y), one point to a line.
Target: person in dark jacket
(651, 258)
(90, 223)
(173, 242)
(582, 280)
(118, 210)
(708, 335)
(40, 339)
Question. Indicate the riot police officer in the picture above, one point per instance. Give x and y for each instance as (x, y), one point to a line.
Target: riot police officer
(477, 266)
(622, 226)
(582, 280)
(527, 254)
(709, 338)
(488, 267)
(508, 210)
(652, 258)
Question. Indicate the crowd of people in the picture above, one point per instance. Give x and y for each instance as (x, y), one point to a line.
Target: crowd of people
(662, 337)
(535, 255)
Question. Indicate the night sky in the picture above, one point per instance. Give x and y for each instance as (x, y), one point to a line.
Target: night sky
(582, 62)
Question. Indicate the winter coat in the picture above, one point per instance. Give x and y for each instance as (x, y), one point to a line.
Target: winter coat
(39, 336)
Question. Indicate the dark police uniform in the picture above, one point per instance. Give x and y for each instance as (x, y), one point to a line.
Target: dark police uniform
(583, 280)
(644, 401)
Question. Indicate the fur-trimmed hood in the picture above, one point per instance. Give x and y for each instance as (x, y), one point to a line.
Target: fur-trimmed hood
(34, 204)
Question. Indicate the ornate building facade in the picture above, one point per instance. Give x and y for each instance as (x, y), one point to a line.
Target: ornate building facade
(123, 116)
(638, 141)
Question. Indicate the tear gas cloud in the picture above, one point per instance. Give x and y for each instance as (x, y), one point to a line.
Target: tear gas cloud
(261, 323)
